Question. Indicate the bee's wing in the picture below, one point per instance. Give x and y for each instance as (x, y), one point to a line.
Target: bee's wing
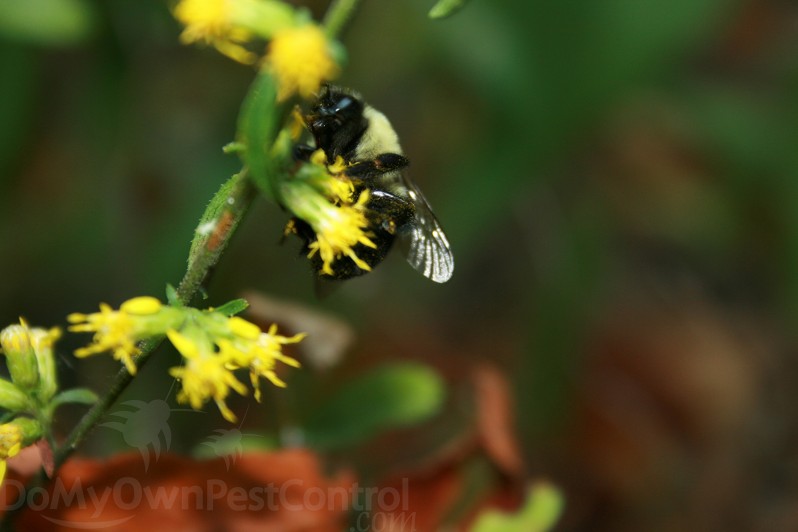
(423, 242)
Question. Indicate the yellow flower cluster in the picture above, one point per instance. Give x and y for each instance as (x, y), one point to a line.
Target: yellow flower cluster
(213, 346)
(118, 331)
(299, 53)
(323, 196)
(214, 22)
(10, 445)
(14, 436)
(29, 357)
(239, 344)
(338, 230)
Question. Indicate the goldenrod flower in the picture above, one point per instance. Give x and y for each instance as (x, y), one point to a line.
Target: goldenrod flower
(230, 24)
(14, 436)
(338, 228)
(29, 356)
(211, 22)
(205, 374)
(20, 358)
(43, 342)
(338, 231)
(119, 331)
(329, 180)
(10, 445)
(300, 60)
(258, 351)
(212, 343)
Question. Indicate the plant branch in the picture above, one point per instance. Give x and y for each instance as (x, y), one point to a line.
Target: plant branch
(228, 206)
(217, 226)
(236, 195)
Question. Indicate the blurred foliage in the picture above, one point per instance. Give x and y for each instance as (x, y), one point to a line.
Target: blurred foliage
(618, 180)
(48, 22)
(539, 513)
(388, 397)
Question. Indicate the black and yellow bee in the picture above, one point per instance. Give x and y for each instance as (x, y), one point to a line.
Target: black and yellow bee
(344, 126)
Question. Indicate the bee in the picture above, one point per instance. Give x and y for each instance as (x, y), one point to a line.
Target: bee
(343, 125)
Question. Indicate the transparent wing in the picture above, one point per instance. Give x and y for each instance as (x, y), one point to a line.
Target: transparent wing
(424, 243)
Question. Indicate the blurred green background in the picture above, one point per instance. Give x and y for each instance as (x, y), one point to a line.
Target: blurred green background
(618, 180)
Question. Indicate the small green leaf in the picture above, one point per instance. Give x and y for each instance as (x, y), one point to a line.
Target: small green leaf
(231, 308)
(172, 297)
(233, 147)
(388, 397)
(543, 506)
(258, 125)
(82, 396)
(446, 8)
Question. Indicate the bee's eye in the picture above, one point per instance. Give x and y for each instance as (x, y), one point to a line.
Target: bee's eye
(343, 103)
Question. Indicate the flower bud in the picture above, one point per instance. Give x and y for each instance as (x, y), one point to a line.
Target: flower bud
(12, 398)
(43, 348)
(10, 440)
(14, 436)
(21, 359)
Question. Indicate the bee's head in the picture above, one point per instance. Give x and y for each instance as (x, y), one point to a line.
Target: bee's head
(336, 121)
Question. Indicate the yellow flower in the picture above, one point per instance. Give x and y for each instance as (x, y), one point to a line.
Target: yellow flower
(205, 375)
(327, 179)
(212, 22)
(338, 228)
(259, 353)
(300, 60)
(29, 356)
(10, 444)
(330, 180)
(117, 331)
(338, 231)
(230, 24)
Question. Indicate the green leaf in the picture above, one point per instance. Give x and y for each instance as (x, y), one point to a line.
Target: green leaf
(388, 397)
(82, 396)
(446, 8)
(258, 125)
(172, 297)
(231, 308)
(47, 22)
(543, 506)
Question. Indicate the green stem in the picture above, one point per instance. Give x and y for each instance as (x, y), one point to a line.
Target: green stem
(338, 15)
(225, 212)
(219, 222)
(236, 197)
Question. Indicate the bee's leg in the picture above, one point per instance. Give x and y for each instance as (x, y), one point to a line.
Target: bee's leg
(302, 152)
(388, 162)
(382, 164)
